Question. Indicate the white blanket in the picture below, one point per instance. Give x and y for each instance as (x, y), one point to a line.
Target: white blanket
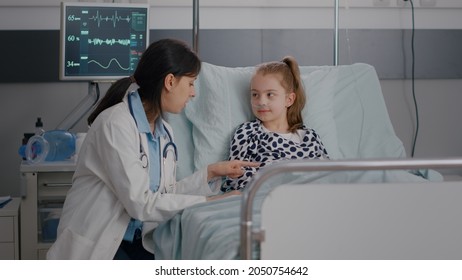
(211, 230)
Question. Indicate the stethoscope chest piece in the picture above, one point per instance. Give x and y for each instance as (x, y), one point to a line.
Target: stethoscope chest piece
(144, 160)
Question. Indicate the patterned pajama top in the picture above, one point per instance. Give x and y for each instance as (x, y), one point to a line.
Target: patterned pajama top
(253, 142)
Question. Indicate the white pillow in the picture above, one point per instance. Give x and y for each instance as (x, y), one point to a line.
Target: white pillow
(318, 114)
(222, 102)
(364, 128)
(345, 106)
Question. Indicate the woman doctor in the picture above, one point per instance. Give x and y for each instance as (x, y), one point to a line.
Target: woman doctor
(124, 183)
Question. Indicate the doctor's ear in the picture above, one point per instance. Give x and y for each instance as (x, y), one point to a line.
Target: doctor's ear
(169, 81)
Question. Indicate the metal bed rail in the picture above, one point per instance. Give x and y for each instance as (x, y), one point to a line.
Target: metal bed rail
(323, 165)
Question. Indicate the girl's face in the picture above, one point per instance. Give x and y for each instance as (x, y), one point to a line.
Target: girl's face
(178, 92)
(270, 100)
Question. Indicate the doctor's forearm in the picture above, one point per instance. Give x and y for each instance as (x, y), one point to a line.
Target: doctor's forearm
(210, 172)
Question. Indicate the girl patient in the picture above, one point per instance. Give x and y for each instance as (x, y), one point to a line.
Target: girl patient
(278, 132)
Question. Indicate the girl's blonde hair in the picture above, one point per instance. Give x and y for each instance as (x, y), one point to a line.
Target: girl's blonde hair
(291, 81)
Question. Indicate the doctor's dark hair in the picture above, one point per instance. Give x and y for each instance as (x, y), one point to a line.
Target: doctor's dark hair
(163, 57)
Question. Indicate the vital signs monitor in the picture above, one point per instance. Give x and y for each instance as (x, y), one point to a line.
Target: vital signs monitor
(102, 41)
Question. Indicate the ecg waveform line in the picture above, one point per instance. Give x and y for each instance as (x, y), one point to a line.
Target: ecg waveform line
(109, 64)
(114, 18)
(110, 42)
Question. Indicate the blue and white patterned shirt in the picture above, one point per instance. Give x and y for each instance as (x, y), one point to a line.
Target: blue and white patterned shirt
(252, 142)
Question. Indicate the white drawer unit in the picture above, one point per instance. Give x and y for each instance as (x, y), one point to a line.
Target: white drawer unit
(44, 188)
(9, 230)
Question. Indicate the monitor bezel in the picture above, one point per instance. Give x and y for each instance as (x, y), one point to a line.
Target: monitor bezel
(92, 78)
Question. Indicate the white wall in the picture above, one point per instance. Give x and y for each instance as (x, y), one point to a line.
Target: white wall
(222, 14)
(439, 100)
(439, 104)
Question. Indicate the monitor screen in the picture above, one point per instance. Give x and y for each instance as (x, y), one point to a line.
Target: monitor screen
(102, 41)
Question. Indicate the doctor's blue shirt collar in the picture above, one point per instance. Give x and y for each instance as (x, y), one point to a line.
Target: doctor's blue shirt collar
(142, 120)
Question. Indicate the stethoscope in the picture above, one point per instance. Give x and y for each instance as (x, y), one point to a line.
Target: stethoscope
(169, 147)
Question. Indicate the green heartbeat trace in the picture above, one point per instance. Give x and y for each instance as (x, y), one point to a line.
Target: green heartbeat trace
(114, 18)
(109, 64)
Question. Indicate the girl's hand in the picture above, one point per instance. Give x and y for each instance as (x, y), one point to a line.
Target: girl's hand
(232, 169)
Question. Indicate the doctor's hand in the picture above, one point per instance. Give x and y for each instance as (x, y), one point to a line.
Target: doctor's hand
(232, 168)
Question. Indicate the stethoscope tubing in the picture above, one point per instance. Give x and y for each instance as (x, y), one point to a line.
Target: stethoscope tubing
(143, 155)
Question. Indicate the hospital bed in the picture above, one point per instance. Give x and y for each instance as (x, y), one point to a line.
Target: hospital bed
(368, 202)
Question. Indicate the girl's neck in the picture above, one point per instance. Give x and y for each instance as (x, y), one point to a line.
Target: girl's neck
(277, 127)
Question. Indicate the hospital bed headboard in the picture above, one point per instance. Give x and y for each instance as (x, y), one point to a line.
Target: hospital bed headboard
(344, 105)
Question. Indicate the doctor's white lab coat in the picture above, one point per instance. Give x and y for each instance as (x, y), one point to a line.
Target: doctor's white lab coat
(110, 185)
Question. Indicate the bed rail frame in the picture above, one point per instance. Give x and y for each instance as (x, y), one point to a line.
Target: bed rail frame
(246, 234)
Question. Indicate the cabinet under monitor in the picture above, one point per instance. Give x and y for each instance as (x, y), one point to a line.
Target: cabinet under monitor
(44, 189)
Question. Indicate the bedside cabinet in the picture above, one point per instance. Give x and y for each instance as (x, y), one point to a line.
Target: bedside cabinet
(44, 189)
(9, 230)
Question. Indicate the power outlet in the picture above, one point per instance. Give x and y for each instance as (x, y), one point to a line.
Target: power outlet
(382, 3)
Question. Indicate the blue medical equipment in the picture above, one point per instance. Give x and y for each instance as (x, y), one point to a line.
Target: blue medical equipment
(52, 145)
